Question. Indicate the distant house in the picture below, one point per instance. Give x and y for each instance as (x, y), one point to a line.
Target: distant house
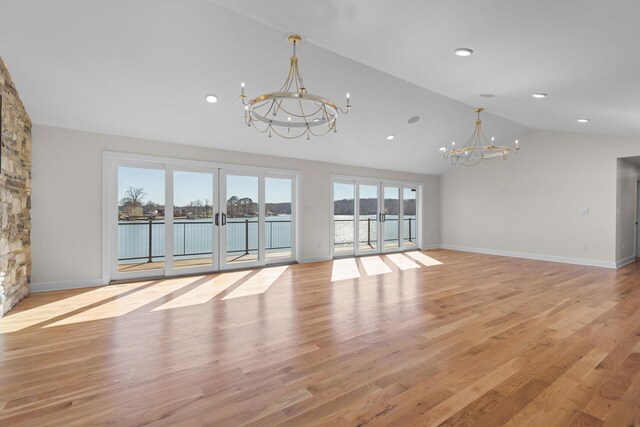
(132, 210)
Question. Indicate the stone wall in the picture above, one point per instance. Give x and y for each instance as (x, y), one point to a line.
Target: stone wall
(15, 196)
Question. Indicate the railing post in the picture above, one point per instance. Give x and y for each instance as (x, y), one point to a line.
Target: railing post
(369, 232)
(270, 234)
(184, 238)
(410, 231)
(150, 241)
(246, 237)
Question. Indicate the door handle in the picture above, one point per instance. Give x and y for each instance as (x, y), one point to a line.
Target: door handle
(217, 222)
(224, 219)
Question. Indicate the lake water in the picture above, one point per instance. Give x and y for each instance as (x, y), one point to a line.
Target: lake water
(193, 237)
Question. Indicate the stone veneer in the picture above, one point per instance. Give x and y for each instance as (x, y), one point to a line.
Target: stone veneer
(15, 196)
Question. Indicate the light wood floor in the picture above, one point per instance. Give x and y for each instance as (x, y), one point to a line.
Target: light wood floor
(201, 262)
(476, 340)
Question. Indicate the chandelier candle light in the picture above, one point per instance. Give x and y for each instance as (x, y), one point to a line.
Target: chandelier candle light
(477, 148)
(292, 112)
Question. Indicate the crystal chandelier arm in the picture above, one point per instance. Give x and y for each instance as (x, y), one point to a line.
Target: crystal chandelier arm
(484, 137)
(290, 77)
(299, 85)
(472, 142)
(258, 129)
(331, 127)
(275, 130)
(300, 115)
(347, 108)
(304, 116)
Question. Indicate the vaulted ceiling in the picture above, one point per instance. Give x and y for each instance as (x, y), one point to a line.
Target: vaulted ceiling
(142, 68)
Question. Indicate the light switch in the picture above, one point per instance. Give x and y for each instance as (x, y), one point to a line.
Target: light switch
(585, 211)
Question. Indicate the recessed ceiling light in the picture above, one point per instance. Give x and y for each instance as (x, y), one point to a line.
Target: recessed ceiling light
(390, 137)
(413, 119)
(211, 99)
(463, 51)
(487, 95)
(539, 95)
(584, 120)
(317, 119)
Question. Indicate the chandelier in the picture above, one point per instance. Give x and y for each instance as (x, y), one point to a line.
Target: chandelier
(477, 148)
(292, 112)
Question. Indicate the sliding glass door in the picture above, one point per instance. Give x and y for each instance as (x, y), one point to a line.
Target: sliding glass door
(344, 210)
(140, 227)
(192, 231)
(279, 233)
(170, 219)
(368, 218)
(391, 218)
(242, 220)
(371, 217)
(410, 217)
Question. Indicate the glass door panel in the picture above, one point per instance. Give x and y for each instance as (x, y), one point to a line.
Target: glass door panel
(409, 217)
(343, 218)
(367, 218)
(140, 226)
(193, 220)
(391, 218)
(278, 218)
(240, 221)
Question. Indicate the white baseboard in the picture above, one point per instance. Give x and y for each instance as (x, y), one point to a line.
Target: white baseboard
(625, 261)
(65, 284)
(432, 246)
(538, 257)
(314, 259)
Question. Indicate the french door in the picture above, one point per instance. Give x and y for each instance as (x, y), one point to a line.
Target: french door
(170, 219)
(391, 218)
(191, 229)
(241, 219)
(371, 217)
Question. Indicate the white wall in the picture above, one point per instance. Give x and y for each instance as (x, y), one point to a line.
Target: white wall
(67, 199)
(627, 180)
(532, 204)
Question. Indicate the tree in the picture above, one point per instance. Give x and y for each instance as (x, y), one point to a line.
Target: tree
(133, 196)
(232, 206)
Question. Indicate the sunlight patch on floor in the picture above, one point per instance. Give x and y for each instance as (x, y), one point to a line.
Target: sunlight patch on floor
(374, 265)
(258, 283)
(129, 303)
(344, 269)
(205, 292)
(23, 319)
(402, 262)
(423, 259)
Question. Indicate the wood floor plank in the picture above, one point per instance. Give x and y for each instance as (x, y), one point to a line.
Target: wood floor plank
(435, 338)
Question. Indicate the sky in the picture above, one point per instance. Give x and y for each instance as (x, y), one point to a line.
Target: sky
(191, 186)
